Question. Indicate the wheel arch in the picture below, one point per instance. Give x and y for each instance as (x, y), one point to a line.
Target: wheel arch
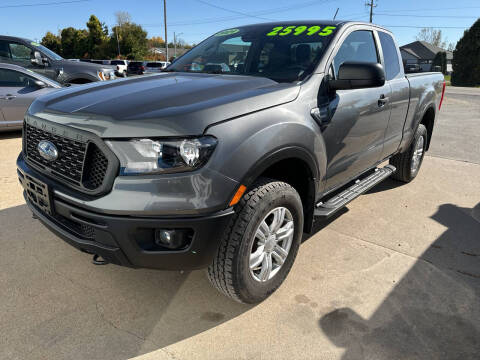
(428, 119)
(295, 166)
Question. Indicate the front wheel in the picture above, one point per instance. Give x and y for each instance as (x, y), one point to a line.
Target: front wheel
(260, 244)
(408, 163)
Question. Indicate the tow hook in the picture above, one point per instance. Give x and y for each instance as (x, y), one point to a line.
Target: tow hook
(98, 260)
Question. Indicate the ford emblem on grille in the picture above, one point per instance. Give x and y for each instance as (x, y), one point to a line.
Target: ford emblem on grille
(47, 150)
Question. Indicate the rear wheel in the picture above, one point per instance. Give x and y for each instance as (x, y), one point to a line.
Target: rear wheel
(409, 162)
(260, 244)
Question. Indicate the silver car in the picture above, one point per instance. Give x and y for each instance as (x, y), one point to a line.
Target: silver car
(18, 88)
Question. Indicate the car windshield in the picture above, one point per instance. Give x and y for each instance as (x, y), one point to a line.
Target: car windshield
(284, 53)
(46, 51)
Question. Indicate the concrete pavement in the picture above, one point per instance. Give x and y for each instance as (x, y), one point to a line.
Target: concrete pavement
(395, 275)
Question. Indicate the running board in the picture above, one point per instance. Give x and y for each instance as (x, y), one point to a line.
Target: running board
(332, 205)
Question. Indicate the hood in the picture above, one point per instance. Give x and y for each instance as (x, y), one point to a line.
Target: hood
(82, 65)
(167, 104)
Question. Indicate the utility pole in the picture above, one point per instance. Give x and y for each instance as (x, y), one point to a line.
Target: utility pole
(174, 45)
(118, 43)
(165, 19)
(372, 5)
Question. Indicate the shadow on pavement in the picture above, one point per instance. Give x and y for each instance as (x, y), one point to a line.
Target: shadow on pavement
(11, 134)
(433, 312)
(56, 304)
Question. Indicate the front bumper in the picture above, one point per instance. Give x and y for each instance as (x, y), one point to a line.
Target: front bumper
(124, 240)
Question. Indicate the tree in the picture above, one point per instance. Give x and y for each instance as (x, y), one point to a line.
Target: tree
(74, 43)
(53, 42)
(133, 40)
(466, 58)
(432, 36)
(123, 17)
(440, 60)
(156, 41)
(97, 39)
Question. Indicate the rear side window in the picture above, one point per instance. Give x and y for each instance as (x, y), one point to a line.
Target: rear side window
(390, 55)
(359, 46)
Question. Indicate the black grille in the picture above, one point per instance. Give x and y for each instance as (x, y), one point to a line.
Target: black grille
(95, 167)
(69, 164)
(82, 230)
(82, 164)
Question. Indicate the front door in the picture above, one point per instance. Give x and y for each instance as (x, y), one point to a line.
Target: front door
(17, 92)
(358, 118)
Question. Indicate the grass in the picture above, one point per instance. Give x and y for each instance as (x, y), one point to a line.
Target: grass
(447, 79)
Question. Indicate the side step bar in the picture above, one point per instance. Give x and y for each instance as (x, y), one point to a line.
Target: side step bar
(332, 205)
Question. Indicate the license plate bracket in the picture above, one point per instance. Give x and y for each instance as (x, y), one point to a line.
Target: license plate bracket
(38, 193)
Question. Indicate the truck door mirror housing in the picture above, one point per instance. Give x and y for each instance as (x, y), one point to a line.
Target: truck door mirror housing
(358, 75)
(38, 59)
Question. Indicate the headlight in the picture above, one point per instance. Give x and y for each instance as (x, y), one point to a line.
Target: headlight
(147, 156)
(106, 75)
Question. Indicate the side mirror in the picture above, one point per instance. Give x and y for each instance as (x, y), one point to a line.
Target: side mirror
(38, 59)
(358, 75)
(40, 84)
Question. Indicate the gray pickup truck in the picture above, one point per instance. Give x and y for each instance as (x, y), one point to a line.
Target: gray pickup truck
(226, 158)
(33, 56)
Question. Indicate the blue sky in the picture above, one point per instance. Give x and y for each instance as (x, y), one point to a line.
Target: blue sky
(195, 19)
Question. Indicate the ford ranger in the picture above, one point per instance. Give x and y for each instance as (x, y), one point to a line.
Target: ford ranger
(223, 160)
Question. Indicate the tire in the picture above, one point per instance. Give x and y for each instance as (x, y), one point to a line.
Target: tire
(230, 270)
(404, 162)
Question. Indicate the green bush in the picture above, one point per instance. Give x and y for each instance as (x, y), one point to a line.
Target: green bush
(466, 58)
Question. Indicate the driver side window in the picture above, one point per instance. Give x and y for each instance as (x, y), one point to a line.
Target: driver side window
(12, 78)
(359, 46)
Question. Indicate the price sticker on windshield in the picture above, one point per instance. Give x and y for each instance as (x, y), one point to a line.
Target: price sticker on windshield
(299, 30)
(227, 32)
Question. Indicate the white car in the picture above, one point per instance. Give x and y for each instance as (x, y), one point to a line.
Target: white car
(156, 66)
(121, 67)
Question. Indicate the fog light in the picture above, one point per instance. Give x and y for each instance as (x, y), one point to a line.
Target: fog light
(172, 239)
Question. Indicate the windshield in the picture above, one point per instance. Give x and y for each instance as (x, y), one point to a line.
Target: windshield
(46, 51)
(286, 53)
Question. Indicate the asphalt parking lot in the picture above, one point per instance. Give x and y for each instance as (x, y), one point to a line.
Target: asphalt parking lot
(396, 275)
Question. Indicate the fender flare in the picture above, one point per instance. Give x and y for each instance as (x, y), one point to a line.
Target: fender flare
(291, 152)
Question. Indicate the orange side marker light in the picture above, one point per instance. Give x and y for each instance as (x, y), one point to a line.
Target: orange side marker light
(238, 195)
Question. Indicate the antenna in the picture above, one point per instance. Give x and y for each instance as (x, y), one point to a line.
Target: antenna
(336, 12)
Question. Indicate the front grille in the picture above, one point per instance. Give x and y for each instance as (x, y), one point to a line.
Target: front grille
(82, 230)
(81, 164)
(69, 164)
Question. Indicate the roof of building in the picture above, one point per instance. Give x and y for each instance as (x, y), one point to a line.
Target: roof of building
(424, 50)
(411, 52)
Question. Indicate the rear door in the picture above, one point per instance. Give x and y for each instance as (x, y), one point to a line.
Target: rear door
(399, 93)
(355, 132)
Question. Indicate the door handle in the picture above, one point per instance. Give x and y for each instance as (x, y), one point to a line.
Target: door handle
(8, 97)
(382, 100)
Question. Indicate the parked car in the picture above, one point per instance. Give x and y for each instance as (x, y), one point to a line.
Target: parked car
(226, 170)
(136, 67)
(18, 88)
(412, 68)
(121, 67)
(156, 66)
(31, 55)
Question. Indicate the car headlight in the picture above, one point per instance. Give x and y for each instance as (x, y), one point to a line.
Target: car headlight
(106, 74)
(147, 156)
